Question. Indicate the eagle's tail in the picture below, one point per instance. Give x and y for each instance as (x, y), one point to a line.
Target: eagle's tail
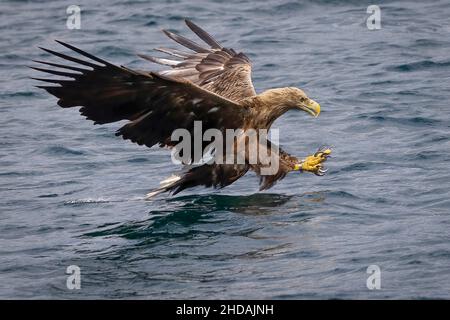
(194, 176)
(164, 186)
(217, 176)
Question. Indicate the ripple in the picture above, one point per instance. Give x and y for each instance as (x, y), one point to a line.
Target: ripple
(86, 201)
(412, 121)
(420, 65)
(61, 150)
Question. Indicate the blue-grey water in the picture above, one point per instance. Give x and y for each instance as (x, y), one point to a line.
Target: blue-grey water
(72, 193)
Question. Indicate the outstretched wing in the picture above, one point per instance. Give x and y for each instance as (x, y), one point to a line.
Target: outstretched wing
(217, 69)
(155, 105)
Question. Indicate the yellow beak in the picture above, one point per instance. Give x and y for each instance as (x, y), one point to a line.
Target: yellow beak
(312, 107)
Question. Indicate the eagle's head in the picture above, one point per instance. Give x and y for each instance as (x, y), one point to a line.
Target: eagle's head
(280, 100)
(296, 98)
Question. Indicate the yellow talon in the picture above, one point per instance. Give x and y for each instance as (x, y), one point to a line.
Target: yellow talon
(325, 152)
(313, 163)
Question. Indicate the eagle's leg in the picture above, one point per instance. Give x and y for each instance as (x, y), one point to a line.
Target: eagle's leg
(314, 163)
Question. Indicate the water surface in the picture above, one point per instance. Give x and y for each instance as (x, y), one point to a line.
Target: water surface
(71, 193)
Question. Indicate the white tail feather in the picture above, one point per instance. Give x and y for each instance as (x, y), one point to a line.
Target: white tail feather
(163, 185)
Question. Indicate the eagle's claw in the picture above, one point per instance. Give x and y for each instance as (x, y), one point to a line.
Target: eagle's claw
(314, 163)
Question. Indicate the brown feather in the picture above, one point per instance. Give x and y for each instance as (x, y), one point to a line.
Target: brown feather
(219, 70)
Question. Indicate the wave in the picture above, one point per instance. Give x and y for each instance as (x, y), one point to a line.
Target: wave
(419, 65)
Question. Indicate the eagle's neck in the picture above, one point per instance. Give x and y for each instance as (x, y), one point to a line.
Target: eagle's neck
(269, 106)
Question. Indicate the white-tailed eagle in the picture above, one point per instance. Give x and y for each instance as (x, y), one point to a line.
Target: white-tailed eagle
(211, 84)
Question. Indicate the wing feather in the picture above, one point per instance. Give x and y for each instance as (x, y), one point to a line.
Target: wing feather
(217, 69)
(155, 104)
(202, 34)
(186, 42)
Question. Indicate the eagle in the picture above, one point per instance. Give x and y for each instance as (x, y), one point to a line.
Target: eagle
(208, 83)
